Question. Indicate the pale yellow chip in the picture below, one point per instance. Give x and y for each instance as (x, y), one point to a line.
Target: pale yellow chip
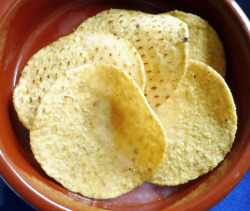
(204, 42)
(66, 53)
(160, 41)
(96, 134)
(200, 123)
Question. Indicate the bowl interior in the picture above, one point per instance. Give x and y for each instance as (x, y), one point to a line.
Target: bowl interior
(30, 25)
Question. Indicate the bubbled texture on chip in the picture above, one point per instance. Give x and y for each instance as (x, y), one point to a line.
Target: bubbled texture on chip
(200, 123)
(161, 42)
(69, 52)
(96, 134)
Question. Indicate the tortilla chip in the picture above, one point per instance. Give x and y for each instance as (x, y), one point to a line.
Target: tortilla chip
(95, 138)
(69, 52)
(204, 42)
(160, 41)
(200, 123)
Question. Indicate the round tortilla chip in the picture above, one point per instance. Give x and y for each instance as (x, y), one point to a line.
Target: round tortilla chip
(200, 123)
(66, 53)
(96, 134)
(161, 42)
(204, 43)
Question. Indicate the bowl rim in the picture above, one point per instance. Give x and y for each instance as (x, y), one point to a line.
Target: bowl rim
(11, 177)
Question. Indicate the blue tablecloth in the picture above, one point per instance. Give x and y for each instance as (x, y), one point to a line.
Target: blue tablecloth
(237, 200)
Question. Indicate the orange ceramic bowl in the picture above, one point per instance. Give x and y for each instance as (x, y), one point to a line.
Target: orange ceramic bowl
(26, 26)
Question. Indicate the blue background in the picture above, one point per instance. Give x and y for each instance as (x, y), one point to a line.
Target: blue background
(237, 200)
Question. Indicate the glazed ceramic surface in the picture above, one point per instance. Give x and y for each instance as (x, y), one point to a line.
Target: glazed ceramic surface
(26, 26)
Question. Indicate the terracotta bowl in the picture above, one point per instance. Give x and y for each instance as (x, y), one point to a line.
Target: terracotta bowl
(26, 26)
